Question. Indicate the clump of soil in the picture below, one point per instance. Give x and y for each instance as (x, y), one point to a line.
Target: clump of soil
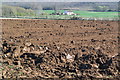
(54, 63)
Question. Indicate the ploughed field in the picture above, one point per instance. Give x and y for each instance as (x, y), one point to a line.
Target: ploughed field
(60, 49)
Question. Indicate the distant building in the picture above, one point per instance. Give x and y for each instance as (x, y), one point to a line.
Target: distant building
(69, 13)
(64, 13)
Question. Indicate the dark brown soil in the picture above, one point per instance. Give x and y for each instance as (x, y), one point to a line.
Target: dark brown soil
(60, 49)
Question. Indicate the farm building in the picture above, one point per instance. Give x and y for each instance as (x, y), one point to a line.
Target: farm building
(69, 13)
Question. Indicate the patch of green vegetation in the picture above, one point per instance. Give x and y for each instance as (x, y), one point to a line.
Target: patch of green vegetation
(2, 68)
(86, 14)
(109, 76)
(11, 66)
(20, 73)
(0, 64)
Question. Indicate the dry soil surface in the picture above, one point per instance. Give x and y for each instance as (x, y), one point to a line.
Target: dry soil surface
(76, 49)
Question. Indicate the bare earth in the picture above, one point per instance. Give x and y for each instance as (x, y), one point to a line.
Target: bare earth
(60, 49)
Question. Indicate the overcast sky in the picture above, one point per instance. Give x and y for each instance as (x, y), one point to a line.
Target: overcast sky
(60, 0)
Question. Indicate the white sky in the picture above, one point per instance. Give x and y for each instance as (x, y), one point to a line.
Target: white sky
(59, 0)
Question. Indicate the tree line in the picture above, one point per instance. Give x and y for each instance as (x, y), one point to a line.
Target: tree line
(13, 11)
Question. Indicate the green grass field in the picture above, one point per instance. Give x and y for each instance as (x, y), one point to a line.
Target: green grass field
(86, 14)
